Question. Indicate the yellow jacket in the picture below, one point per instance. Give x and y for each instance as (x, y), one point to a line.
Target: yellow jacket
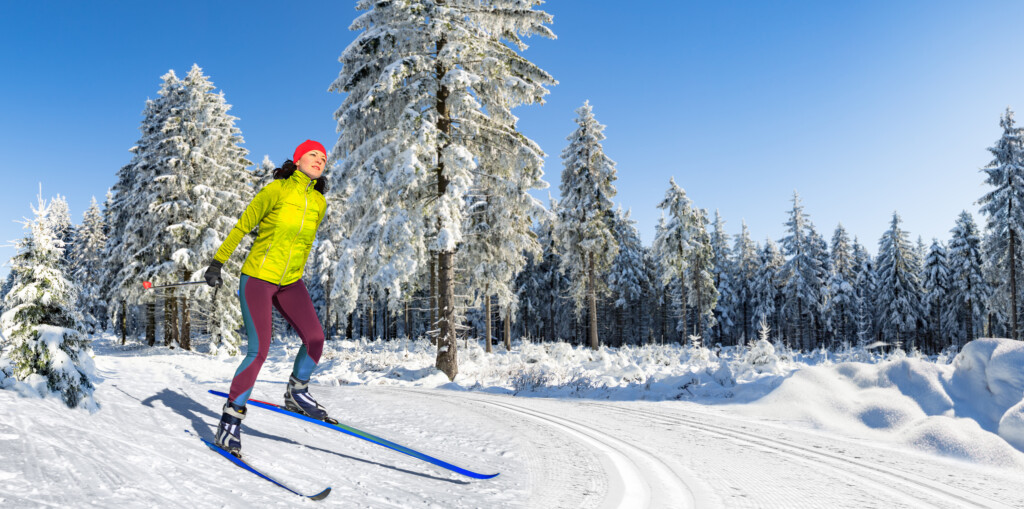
(288, 212)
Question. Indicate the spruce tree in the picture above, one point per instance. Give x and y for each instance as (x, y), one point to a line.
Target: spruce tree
(673, 241)
(627, 278)
(841, 310)
(430, 87)
(723, 275)
(744, 277)
(1003, 207)
(899, 289)
(700, 277)
(936, 288)
(801, 275)
(969, 288)
(88, 269)
(584, 226)
(40, 321)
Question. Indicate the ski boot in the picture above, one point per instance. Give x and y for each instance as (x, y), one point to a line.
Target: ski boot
(298, 400)
(229, 431)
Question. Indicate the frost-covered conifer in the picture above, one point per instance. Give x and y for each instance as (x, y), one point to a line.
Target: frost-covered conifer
(723, 276)
(766, 287)
(744, 277)
(627, 278)
(584, 226)
(703, 295)
(264, 173)
(431, 85)
(129, 232)
(1003, 207)
(801, 275)
(969, 288)
(46, 346)
(899, 289)
(88, 269)
(936, 295)
(198, 189)
(673, 242)
(841, 309)
(865, 289)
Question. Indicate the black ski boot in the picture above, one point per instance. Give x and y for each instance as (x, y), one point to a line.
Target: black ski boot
(229, 431)
(298, 400)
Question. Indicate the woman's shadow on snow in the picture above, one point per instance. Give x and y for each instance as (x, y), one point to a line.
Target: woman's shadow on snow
(201, 418)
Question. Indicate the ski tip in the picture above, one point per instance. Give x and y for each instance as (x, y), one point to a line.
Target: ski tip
(320, 496)
(486, 476)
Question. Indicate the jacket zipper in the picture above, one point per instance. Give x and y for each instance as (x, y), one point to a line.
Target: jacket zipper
(305, 196)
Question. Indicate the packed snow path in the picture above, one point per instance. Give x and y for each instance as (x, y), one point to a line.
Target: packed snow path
(552, 453)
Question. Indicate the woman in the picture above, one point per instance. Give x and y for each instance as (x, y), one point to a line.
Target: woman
(288, 212)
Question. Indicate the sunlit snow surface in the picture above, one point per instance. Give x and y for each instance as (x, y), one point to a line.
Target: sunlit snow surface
(659, 426)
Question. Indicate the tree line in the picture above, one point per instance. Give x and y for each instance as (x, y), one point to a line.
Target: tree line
(431, 229)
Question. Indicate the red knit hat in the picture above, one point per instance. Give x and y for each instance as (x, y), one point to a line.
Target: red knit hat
(307, 146)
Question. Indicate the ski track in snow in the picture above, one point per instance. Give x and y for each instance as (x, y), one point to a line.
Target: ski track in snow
(551, 453)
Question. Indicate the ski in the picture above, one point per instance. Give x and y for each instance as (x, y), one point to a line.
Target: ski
(366, 436)
(245, 465)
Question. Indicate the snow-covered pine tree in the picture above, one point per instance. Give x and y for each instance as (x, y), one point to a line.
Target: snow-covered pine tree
(899, 289)
(801, 275)
(125, 253)
(264, 173)
(59, 219)
(584, 226)
(431, 85)
(745, 271)
(1003, 207)
(627, 278)
(40, 322)
(819, 250)
(969, 288)
(767, 285)
(703, 295)
(673, 242)
(936, 296)
(722, 275)
(865, 288)
(841, 309)
(88, 269)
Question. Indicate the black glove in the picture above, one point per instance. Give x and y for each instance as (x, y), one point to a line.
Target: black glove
(212, 275)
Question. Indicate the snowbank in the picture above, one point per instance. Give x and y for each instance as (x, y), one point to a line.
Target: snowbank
(971, 409)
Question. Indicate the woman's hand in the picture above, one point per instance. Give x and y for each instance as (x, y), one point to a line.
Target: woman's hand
(212, 275)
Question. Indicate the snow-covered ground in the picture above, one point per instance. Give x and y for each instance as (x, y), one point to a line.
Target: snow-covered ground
(566, 427)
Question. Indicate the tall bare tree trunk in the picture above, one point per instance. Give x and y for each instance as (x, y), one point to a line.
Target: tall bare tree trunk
(171, 319)
(432, 303)
(447, 349)
(508, 330)
(151, 323)
(1013, 285)
(373, 319)
(487, 318)
(592, 304)
(185, 338)
(124, 321)
(408, 320)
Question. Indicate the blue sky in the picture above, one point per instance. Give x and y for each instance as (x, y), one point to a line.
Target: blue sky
(864, 108)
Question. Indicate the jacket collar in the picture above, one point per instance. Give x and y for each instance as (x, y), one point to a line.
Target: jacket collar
(301, 178)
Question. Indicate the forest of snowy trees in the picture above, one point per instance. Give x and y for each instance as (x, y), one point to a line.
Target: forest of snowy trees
(431, 230)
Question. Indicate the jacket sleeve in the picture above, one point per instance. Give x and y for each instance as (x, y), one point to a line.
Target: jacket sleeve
(258, 209)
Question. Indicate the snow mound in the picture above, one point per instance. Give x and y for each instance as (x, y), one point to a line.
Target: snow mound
(971, 410)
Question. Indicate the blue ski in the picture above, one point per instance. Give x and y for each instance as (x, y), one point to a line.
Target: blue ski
(368, 437)
(245, 465)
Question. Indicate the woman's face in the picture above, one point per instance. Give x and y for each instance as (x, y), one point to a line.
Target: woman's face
(312, 163)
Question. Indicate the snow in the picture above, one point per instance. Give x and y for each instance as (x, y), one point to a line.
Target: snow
(652, 426)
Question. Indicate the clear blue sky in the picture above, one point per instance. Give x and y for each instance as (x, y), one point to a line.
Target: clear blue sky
(863, 107)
